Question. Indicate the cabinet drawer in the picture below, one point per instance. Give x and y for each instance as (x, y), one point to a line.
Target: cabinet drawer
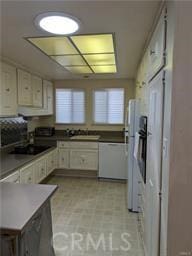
(13, 178)
(63, 144)
(84, 159)
(82, 145)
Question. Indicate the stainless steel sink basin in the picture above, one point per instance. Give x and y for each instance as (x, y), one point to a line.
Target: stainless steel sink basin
(85, 137)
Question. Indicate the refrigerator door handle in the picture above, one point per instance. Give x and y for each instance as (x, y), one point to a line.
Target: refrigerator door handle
(126, 143)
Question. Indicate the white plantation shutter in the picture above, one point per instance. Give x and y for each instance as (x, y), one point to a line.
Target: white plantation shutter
(109, 106)
(70, 106)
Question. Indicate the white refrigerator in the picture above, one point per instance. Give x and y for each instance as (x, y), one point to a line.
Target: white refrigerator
(131, 127)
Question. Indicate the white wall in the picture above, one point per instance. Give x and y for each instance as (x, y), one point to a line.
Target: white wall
(89, 85)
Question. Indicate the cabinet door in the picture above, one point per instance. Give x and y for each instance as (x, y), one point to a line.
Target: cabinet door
(48, 97)
(84, 159)
(13, 178)
(157, 48)
(37, 91)
(154, 156)
(24, 88)
(50, 162)
(55, 159)
(27, 174)
(41, 171)
(8, 91)
(64, 158)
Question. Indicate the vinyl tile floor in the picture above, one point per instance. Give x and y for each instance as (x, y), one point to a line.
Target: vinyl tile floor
(90, 218)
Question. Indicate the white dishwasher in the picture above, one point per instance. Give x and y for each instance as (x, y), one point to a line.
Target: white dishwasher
(112, 161)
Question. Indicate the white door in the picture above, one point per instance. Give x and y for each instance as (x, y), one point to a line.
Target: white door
(154, 154)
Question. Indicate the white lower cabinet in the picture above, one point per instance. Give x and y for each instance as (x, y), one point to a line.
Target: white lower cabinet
(84, 159)
(64, 158)
(78, 155)
(27, 174)
(13, 178)
(40, 170)
(51, 161)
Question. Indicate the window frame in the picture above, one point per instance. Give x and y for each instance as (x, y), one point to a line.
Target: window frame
(85, 104)
(93, 106)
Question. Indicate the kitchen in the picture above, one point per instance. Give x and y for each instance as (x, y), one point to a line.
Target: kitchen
(94, 128)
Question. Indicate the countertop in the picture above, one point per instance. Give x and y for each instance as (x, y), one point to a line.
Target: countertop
(12, 162)
(20, 202)
(103, 138)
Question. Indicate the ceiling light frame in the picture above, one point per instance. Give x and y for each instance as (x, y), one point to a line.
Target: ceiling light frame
(79, 52)
(50, 14)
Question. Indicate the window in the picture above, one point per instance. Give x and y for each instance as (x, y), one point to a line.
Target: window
(109, 106)
(70, 106)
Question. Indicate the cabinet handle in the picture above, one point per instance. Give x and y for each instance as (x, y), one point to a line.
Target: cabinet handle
(7, 89)
(152, 52)
(26, 88)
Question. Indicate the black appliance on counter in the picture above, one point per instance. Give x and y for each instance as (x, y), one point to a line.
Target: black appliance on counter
(143, 146)
(44, 131)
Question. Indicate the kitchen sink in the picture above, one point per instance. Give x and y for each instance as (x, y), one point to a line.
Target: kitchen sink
(85, 137)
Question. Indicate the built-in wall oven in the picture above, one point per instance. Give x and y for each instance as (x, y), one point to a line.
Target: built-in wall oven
(143, 146)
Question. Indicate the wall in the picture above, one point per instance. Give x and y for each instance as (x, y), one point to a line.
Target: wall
(180, 178)
(89, 85)
(33, 123)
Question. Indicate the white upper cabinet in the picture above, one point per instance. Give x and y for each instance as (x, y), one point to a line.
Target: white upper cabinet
(48, 99)
(37, 87)
(157, 47)
(25, 96)
(8, 90)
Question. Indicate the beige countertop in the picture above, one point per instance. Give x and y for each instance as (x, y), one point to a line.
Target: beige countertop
(20, 202)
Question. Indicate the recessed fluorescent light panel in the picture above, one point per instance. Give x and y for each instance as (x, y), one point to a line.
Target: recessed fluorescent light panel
(80, 54)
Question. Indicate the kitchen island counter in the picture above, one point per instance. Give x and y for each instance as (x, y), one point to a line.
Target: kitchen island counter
(20, 202)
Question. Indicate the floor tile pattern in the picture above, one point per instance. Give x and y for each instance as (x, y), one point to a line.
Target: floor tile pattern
(90, 218)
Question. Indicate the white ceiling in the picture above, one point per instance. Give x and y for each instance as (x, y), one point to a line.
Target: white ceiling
(131, 21)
